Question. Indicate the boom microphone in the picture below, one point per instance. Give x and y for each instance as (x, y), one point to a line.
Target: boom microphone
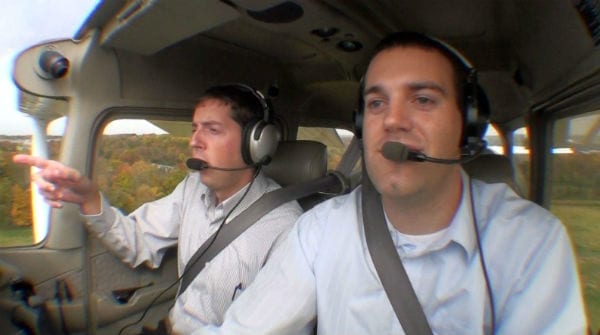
(398, 152)
(395, 151)
(198, 165)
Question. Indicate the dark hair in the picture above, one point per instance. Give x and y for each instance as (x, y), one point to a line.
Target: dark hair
(245, 103)
(461, 66)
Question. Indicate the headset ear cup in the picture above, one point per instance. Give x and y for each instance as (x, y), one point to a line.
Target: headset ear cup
(476, 117)
(358, 115)
(470, 114)
(246, 139)
(484, 110)
(260, 142)
(358, 122)
(477, 113)
(260, 136)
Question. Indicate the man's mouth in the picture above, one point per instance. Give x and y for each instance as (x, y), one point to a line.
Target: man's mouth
(398, 152)
(394, 151)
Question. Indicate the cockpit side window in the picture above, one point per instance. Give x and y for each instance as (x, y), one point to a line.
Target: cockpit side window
(24, 216)
(575, 197)
(137, 161)
(337, 141)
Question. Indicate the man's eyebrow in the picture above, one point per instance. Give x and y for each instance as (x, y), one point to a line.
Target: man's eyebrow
(413, 86)
(209, 123)
(372, 89)
(431, 85)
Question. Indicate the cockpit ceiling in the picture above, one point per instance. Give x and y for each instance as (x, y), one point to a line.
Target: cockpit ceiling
(146, 27)
(330, 40)
(482, 29)
(150, 26)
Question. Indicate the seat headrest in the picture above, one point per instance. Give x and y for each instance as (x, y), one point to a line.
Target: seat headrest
(492, 168)
(297, 161)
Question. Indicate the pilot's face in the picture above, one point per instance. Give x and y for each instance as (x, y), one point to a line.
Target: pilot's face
(410, 98)
(216, 139)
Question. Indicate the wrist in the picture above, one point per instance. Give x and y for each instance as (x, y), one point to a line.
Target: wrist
(92, 205)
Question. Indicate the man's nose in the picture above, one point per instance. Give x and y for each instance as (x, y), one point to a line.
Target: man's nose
(196, 139)
(398, 117)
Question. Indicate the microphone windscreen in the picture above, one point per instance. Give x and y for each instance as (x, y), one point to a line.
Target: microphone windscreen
(395, 151)
(196, 164)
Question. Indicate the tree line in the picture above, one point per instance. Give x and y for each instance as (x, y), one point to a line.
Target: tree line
(133, 169)
(129, 169)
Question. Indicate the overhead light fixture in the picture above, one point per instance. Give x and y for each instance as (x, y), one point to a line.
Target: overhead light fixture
(325, 32)
(285, 12)
(349, 45)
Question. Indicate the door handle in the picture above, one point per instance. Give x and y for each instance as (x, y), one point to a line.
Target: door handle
(123, 295)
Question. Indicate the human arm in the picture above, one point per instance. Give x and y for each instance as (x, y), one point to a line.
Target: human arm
(546, 298)
(282, 298)
(141, 237)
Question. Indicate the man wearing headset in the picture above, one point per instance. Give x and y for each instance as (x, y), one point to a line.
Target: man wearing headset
(480, 259)
(230, 151)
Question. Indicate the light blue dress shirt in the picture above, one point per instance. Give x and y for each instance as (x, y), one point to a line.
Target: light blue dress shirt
(324, 269)
(187, 218)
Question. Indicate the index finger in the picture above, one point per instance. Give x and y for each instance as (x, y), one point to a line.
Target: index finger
(31, 160)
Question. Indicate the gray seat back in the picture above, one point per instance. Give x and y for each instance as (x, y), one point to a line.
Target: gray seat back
(492, 168)
(296, 162)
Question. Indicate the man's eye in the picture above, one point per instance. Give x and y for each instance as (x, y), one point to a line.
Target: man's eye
(374, 104)
(423, 100)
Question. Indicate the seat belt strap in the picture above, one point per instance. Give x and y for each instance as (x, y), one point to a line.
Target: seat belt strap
(352, 154)
(388, 264)
(267, 202)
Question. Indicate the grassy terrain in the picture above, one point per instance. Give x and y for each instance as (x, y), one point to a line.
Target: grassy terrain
(15, 236)
(583, 224)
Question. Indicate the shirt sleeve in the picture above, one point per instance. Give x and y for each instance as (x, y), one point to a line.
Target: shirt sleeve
(144, 235)
(547, 296)
(282, 298)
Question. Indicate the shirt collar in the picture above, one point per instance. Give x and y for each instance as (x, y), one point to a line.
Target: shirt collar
(460, 230)
(217, 212)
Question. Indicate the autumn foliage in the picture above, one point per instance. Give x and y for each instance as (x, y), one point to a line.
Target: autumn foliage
(130, 169)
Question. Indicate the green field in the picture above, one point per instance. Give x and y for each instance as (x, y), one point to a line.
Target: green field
(583, 224)
(15, 236)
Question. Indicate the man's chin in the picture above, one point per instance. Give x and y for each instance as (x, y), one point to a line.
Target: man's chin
(394, 183)
(205, 177)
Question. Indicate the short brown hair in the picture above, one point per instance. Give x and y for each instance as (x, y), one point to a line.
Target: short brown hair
(246, 105)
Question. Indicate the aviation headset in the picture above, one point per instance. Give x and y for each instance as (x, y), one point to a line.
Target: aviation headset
(476, 109)
(260, 136)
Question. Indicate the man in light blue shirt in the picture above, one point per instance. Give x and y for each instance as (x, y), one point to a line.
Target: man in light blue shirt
(230, 139)
(415, 93)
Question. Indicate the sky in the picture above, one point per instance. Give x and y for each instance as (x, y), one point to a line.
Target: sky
(24, 23)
